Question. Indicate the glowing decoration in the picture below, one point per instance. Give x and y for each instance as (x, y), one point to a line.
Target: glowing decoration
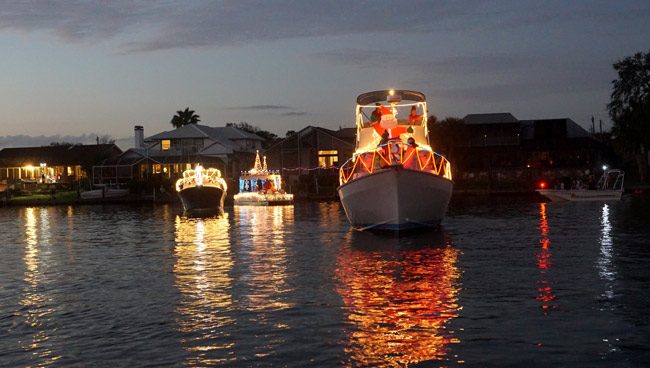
(261, 186)
(604, 167)
(542, 184)
(395, 154)
(201, 177)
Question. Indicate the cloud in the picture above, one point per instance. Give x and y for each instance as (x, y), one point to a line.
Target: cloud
(270, 108)
(150, 26)
(11, 141)
(160, 25)
(260, 107)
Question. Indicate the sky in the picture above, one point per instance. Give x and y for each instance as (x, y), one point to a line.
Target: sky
(72, 70)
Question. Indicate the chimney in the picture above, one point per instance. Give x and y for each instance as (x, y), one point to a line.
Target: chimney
(139, 136)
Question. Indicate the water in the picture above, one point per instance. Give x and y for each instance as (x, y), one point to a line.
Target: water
(504, 283)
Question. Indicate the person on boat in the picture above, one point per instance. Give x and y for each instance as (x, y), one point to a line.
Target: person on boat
(384, 138)
(411, 142)
(414, 118)
(375, 117)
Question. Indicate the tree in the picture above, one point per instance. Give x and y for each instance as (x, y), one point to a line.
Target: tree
(184, 117)
(445, 135)
(105, 139)
(269, 137)
(630, 109)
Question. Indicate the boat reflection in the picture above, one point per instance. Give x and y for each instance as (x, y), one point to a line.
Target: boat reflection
(606, 269)
(266, 256)
(37, 308)
(203, 265)
(400, 295)
(544, 289)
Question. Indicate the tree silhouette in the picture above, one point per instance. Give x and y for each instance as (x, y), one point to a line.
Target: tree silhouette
(630, 109)
(184, 117)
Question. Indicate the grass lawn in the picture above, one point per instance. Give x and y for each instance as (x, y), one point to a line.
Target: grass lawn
(58, 197)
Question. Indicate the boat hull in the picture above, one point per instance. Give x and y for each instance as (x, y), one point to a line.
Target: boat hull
(396, 199)
(559, 195)
(257, 199)
(202, 201)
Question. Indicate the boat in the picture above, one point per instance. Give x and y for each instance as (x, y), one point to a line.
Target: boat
(394, 180)
(609, 187)
(260, 186)
(104, 193)
(202, 191)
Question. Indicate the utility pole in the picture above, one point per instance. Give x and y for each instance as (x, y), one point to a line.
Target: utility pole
(593, 127)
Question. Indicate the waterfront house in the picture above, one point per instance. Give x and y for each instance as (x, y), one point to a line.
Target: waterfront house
(52, 164)
(501, 148)
(309, 159)
(166, 155)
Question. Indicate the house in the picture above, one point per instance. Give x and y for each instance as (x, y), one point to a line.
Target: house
(501, 150)
(166, 155)
(309, 159)
(53, 164)
(501, 140)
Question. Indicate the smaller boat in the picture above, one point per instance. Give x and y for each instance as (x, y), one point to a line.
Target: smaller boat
(609, 187)
(202, 191)
(261, 187)
(104, 193)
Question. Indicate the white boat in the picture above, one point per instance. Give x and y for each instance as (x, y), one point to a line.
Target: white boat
(394, 180)
(202, 191)
(609, 187)
(260, 186)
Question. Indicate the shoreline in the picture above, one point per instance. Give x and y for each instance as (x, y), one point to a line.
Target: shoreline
(459, 193)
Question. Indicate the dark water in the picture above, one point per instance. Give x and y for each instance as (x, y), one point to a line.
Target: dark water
(504, 283)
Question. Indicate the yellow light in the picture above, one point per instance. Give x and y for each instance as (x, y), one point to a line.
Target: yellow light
(391, 92)
(29, 167)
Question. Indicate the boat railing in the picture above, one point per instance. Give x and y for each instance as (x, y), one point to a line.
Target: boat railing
(611, 180)
(209, 177)
(394, 153)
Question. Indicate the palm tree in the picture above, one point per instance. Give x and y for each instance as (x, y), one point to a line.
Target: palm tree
(183, 118)
(630, 108)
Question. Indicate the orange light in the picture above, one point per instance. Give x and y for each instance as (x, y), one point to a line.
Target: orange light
(542, 184)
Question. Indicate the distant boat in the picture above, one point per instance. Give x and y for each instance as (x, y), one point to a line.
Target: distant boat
(202, 191)
(609, 187)
(394, 180)
(261, 187)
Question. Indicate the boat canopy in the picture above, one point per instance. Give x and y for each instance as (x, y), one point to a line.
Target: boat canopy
(385, 95)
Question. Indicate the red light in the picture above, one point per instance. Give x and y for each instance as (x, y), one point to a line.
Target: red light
(542, 184)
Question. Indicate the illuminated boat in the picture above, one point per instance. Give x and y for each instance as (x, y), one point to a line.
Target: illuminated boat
(609, 187)
(261, 187)
(394, 180)
(202, 191)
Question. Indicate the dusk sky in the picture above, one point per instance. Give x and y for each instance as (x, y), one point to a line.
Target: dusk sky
(76, 69)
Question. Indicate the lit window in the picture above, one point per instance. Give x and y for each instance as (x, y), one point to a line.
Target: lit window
(165, 144)
(328, 158)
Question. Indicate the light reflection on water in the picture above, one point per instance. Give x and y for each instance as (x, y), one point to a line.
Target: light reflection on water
(37, 306)
(544, 284)
(606, 268)
(203, 265)
(266, 254)
(398, 301)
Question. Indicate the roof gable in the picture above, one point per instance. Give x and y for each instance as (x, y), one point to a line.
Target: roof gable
(492, 118)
